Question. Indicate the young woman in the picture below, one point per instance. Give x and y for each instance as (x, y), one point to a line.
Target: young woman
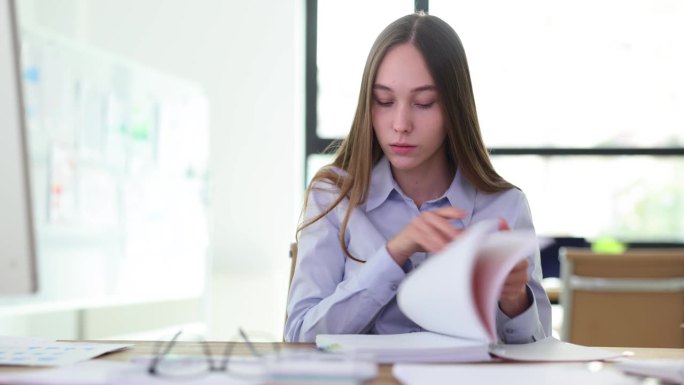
(410, 176)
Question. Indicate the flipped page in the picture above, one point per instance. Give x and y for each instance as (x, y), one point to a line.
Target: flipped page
(455, 292)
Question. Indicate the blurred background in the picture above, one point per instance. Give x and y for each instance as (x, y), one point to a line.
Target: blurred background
(170, 142)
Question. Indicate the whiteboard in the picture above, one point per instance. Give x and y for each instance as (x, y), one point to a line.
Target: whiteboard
(118, 171)
(17, 256)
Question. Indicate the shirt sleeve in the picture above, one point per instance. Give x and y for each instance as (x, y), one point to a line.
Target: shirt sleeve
(525, 327)
(322, 299)
(534, 323)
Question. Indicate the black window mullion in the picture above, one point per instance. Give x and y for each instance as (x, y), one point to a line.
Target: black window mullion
(314, 144)
(421, 5)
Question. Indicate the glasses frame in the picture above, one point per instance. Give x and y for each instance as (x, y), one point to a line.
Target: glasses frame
(163, 348)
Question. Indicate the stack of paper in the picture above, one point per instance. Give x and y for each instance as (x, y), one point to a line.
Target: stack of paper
(509, 374)
(26, 351)
(93, 372)
(433, 347)
(411, 347)
(669, 370)
(552, 350)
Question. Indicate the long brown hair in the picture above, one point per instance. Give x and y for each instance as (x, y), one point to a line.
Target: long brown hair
(360, 151)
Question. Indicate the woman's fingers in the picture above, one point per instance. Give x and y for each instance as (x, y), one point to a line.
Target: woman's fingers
(427, 238)
(450, 213)
(430, 231)
(441, 226)
(503, 224)
(515, 281)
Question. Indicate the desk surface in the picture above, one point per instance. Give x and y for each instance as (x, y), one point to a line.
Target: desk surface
(385, 374)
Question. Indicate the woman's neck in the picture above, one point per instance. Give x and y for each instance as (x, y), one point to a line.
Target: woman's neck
(427, 182)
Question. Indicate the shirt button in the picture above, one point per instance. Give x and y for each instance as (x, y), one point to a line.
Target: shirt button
(394, 287)
(509, 330)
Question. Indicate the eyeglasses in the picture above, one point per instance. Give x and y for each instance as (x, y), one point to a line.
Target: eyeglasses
(266, 363)
(169, 361)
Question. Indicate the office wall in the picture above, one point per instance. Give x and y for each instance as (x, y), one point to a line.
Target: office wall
(248, 57)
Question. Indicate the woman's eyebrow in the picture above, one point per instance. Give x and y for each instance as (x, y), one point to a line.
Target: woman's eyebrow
(427, 87)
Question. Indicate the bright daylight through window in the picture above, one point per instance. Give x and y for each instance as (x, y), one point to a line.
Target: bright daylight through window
(549, 75)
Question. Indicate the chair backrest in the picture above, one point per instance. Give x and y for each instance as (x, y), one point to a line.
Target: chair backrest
(635, 298)
(293, 263)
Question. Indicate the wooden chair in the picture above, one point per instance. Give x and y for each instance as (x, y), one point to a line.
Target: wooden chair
(631, 299)
(293, 263)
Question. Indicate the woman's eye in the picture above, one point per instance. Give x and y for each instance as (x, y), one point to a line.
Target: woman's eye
(384, 103)
(425, 105)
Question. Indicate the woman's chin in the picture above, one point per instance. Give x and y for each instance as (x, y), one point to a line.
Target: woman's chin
(403, 163)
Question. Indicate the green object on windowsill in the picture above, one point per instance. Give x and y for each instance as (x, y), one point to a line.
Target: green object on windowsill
(608, 245)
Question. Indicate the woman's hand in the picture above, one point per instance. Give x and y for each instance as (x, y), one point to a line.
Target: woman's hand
(430, 231)
(513, 299)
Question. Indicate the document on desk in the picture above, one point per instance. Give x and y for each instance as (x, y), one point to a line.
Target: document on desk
(552, 350)
(511, 374)
(668, 370)
(28, 351)
(106, 372)
(93, 372)
(432, 347)
(288, 366)
(408, 347)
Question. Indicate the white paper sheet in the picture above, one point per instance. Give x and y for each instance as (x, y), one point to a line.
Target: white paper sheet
(28, 351)
(140, 376)
(510, 374)
(104, 372)
(94, 372)
(409, 347)
(552, 350)
(669, 370)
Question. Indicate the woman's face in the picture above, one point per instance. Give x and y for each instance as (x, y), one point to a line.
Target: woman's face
(407, 114)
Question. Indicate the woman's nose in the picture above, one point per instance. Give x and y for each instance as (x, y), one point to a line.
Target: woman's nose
(402, 120)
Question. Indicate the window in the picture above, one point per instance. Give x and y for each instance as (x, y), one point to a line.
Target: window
(580, 103)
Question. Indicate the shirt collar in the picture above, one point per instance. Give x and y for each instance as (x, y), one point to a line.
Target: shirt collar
(381, 184)
(461, 194)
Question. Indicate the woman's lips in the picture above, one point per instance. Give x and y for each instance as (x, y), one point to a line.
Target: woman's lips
(402, 149)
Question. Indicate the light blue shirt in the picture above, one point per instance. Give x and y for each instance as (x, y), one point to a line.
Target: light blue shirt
(333, 294)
